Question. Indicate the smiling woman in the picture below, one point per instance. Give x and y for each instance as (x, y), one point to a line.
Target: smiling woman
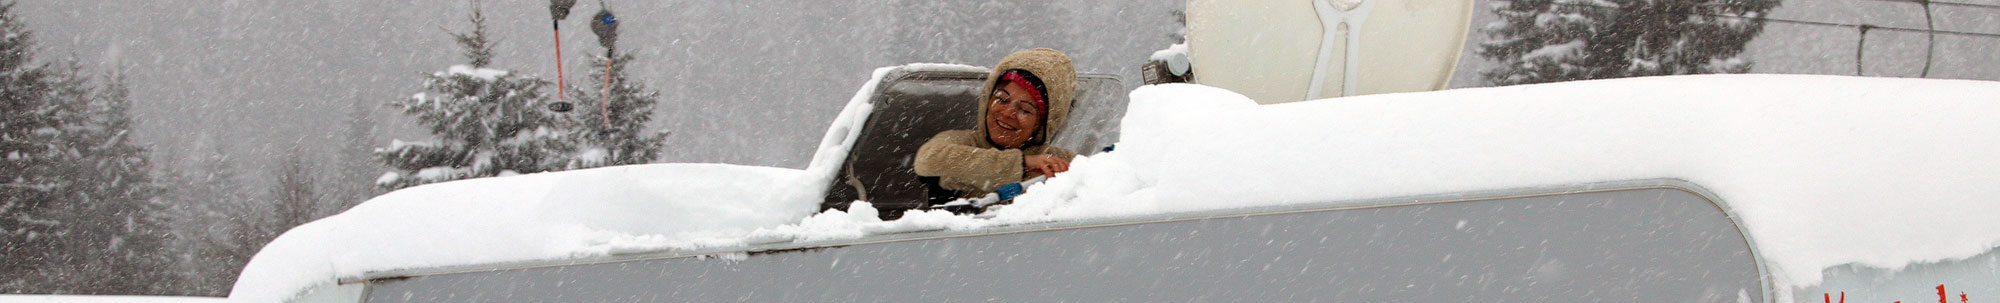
(1028, 95)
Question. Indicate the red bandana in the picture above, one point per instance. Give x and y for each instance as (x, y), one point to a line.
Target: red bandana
(1040, 104)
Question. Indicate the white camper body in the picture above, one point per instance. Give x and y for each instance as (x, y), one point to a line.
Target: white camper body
(1606, 237)
(1615, 239)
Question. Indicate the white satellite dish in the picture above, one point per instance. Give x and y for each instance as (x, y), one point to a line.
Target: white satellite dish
(1278, 51)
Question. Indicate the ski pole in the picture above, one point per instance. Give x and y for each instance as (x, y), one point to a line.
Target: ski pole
(559, 65)
(558, 10)
(604, 104)
(606, 29)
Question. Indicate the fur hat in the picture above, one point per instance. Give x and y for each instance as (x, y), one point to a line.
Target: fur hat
(1056, 73)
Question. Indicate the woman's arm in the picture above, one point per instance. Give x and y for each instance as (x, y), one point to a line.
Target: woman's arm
(953, 157)
(1044, 160)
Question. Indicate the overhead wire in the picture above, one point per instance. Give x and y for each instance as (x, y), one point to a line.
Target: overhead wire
(1930, 50)
(1930, 22)
(1860, 46)
(1947, 3)
(1823, 23)
(1931, 26)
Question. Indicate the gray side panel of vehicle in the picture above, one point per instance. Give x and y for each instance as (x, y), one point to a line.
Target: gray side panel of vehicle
(1629, 245)
(912, 106)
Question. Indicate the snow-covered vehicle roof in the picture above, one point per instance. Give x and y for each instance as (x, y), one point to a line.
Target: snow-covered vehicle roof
(1816, 172)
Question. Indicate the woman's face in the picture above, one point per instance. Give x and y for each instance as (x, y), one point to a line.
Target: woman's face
(1012, 118)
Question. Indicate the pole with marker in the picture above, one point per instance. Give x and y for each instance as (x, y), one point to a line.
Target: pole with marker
(559, 10)
(605, 25)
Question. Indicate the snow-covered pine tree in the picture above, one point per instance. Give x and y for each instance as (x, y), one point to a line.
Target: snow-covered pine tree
(355, 158)
(94, 226)
(627, 141)
(145, 260)
(1540, 41)
(293, 201)
(75, 198)
(208, 205)
(77, 207)
(119, 232)
(64, 208)
(27, 148)
(487, 122)
(188, 226)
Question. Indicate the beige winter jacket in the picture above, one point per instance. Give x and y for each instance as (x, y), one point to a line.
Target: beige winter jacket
(965, 161)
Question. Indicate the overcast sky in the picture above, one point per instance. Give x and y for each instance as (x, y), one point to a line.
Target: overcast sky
(745, 82)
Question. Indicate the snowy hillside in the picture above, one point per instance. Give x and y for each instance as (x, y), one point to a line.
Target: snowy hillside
(1823, 171)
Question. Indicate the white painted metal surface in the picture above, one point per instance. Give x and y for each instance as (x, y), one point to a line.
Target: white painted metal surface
(1278, 51)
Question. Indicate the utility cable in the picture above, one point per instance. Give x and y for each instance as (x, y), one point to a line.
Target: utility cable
(1861, 45)
(1948, 3)
(1930, 30)
(1930, 51)
(1817, 23)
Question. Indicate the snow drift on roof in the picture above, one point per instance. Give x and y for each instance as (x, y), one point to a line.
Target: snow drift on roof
(1821, 170)
(553, 215)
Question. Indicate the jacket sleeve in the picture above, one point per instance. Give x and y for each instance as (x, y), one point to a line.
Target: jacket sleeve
(961, 165)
